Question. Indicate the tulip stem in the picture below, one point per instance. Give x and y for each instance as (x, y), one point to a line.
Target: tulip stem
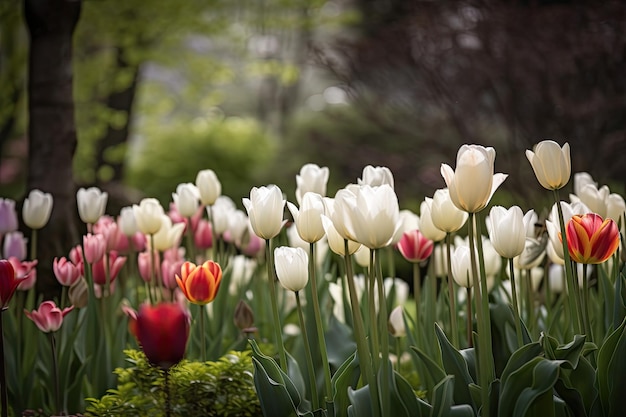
(55, 375)
(3, 376)
(417, 294)
(33, 244)
(468, 298)
(361, 343)
(374, 342)
(168, 403)
(319, 328)
(451, 292)
(202, 312)
(516, 316)
(585, 302)
(309, 355)
(571, 281)
(383, 319)
(277, 326)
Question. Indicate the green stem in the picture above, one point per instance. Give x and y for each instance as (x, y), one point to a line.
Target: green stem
(373, 323)
(278, 335)
(451, 292)
(201, 314)
(154, 279)
(516, 317)
(417, 294)
(55, 375)
(359, 331)
(309, 356)
(485, 360)
(470, 339)
(319, 328)
(585, 302)
(168, 402)
(33, 245)
(572, 283)
(191, 253)
(3, 375)
(383, 318)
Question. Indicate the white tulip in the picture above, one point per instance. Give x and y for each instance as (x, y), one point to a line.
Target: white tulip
(186, 199)
(292, 267)
(265, 209)
(312, 178)
(506, 230)
(376, 176)
(308, 218)
(148, 215)
(209, 187)
(91, 204)
(444, 214)
(37, 209)
(551, 164)
(426, 225)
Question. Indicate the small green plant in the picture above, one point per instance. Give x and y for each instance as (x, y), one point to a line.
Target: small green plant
(221, 388)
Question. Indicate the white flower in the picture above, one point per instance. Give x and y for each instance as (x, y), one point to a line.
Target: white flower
(313, 179)
(308, 218)
(506, 230)
(91, 204)
(426, 226)
(265, 209)
(462, 267)
(444, 214)
(551, 164)
(168, 235)
(148, 215)
(186, 199)
(292, 267)
(209, 186)
(336, 242)
(396, 322)
(376, 176)
(126, 221)
(37, 209)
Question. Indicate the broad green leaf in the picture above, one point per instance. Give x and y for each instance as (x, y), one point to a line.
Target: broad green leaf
(454, 364)
(442, 398)
(347, 376)
(609, 378)
(519, 358)
(537, 399)
(430, 372)
(361, 403)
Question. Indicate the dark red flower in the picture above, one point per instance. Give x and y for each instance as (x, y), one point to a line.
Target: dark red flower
(8, 282)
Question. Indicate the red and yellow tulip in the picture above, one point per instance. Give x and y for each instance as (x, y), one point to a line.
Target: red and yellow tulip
(200, 283)
(590, 239)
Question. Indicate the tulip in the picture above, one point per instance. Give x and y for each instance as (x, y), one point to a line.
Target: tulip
(91, 204)
(506, 230)
(339, 210)
(25, 273)
(8, 283)
(590, 239)
(144, 264)
(376, 176)
(581, 179)
(238, 227)
(265, 209)
(426, 225)
(66, 272)
(113, 236)
(48, 317)
(14, 245)
(362, 256)
(292, 267)
(220, 214)
(94, 247)
(336, 242)
(396, 322)
(115, 264)
(397, 288)
(209, 187)
(200, 283)
(551, 164)
(168, 235)
(597, 199)
(126, 221)
(162, 331)
(169, 267)
(8, 216)
(36, 209)
(313, 179)
(473, 182)
(186, 199)
(444, 214)
(148, 215)
(616, 208)
(244, 317)
(462, 267)
(414, 246)
(251, 245)
(407, 221)
(79, 293)
(308, 218)
(203, 236)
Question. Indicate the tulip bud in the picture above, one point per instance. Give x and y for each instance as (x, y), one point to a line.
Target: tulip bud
(148, 215)
(396, 322)
(8, 216)
(551, 164)
(313, 179)
(506, 230)
(186, 199)
(91, 204)
(444, 214)
(414, 246)
(37, 209)
(265, 209)
(376, 176)
(48, 317)
(244, 317)
(209, 187)
(292, 267)
(14, 245)
(79, 293)
(308, 218)
(461, 266)
(426, 225)
(94, 247)
(67, 273)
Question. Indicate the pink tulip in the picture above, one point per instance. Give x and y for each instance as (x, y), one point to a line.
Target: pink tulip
(66, 272)
(8, 216)
(115, 264)
(113, 236)
(76, 255)
(25, 272)
(203, 236)
(144, 262)
(94, 247)
(48, 317)
(414, 247)
(15, 245)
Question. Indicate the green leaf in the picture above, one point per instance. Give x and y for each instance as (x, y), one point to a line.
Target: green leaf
(347, 376)
(454, 364)
(611, 373)
(443, 397)
(361, 402)
(521, 356)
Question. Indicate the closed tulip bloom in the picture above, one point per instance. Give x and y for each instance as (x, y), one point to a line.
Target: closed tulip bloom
(506, 230)
(414, 246)
(292, 267)
(376, 176)
(339, 210)
(426, 225)
(444, 214)
(616, 208)
(14, 245)
(200, 283)
(220, 212)
(590, 239)
(407, 221)
(551, 164)
(66, 272)
(375, 215)
(78, 293)
(162, 331)
(126, 221)
(37, 209)
(8, 283)
(186, 199)
(265, 209)
(597, 199)
(94, 247)
(203, 236)
(473, 182)
(115, 264)
(91, 204)
(312, 178)
(25, 272)
(148, 215)
(462, 266)
(581, 179)
(209, 186)
(308, 218)
(48, 317)
(145, 265)
(396, 322)
(8, 216)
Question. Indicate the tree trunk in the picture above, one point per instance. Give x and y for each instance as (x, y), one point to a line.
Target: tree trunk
(51, 127)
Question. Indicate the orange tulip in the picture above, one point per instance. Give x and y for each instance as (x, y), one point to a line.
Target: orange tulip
(591, 240)
(200, 283)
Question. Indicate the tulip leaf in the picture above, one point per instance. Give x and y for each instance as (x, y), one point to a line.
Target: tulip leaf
(442, 398)
(454, 364)
(520, 357)
(339, 342)
(619, 308)
(469, 355)
(347, 376)
(430, 372)
(361, 403)
(404, 393)
(461, 410)
(611, 372)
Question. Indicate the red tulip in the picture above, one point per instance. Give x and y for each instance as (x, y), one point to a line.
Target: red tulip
(414, 247)
(8, 283)
(200, 283)
(48, 317)
(115, 265)
(591, 240)
(162, 331)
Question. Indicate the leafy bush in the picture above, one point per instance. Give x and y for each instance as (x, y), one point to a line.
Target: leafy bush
(221, 388)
